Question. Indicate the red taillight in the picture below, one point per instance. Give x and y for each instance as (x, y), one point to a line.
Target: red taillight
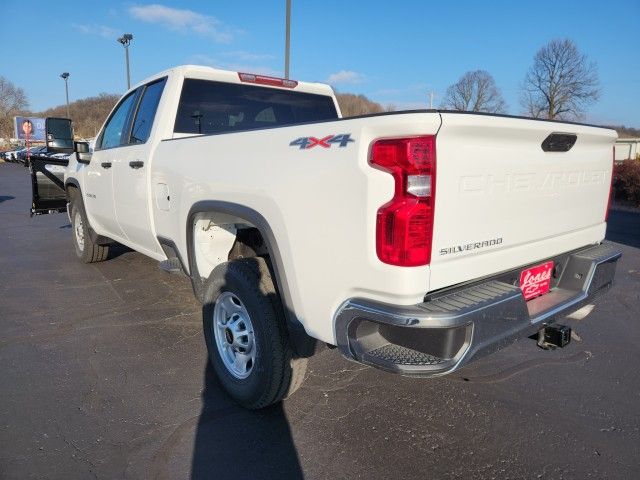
(404, 227)
(613, 171)
(264, 80)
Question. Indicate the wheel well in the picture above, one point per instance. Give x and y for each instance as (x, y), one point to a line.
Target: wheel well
(214, 237)
(220, 237)
(72, 191)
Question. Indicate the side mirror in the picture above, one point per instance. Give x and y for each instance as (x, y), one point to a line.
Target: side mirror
(59, 135)
(83, 154)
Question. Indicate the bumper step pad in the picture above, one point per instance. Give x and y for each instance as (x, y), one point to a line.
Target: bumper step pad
(470, 298)
(399, 355)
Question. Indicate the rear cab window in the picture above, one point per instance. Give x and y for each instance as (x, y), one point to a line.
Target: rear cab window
(208, 107)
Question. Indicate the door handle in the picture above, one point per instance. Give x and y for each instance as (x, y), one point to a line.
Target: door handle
(105, 164)
(136, 164)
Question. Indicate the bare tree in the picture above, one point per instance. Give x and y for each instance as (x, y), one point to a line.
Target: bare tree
(12, 101)
(561, 83)
(476, 91)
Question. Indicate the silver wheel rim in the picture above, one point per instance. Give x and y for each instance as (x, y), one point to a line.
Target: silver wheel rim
(234, 336)
(78, 231)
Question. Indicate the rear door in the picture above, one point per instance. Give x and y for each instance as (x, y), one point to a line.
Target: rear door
(513, 191)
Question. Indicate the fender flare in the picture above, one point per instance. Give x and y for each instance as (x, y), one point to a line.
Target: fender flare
(71, 181)
(304, 345)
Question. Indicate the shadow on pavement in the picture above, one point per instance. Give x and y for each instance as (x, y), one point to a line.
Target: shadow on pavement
(4, 198)
(232, 442)
(117, 249)
(624, 227)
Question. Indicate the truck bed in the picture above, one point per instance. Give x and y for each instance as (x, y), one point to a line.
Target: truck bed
(495, 189)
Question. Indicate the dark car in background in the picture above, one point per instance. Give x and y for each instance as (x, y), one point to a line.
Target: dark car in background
(33, 151)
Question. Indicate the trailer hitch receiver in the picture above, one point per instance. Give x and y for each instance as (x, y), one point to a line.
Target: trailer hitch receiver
(552, 336)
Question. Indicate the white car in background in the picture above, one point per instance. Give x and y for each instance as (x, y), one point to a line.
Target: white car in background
(12, 155)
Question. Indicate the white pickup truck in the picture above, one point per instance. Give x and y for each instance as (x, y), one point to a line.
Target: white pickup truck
(413, 241)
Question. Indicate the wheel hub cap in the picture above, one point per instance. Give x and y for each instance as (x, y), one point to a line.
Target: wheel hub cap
(233, 332)
(78, 230)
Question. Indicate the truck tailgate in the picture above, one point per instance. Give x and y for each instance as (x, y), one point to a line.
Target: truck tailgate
(503, 202)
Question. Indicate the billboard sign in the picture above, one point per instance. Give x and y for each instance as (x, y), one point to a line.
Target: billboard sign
(32, 125)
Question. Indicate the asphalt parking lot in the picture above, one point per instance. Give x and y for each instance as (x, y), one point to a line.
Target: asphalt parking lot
(103, 375)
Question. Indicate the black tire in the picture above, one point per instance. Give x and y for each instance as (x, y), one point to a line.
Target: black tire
(276, 373)
(86, 250)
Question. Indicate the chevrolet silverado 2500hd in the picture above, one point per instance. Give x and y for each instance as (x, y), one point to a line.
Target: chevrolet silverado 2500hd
(413, 241)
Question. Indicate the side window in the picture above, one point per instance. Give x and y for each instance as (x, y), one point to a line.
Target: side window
(115, 128)
(147, 111)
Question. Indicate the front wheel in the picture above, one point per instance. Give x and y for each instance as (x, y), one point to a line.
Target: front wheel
(246, 334)
(86, 250)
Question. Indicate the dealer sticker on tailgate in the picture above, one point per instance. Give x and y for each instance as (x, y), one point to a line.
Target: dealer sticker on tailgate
(535, 281)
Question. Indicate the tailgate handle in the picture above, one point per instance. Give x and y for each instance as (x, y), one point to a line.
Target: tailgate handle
(559, 142)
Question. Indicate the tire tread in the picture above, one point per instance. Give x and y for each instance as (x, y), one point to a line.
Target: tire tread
(92, 252)
(288, 372)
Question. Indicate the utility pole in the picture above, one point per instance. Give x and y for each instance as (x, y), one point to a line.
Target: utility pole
(125, 40)
(287, 42)
(65, 77)
(431, 100)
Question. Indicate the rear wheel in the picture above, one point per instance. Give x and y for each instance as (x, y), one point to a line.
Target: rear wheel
(86, 249)
(234, 335)
(246, 334)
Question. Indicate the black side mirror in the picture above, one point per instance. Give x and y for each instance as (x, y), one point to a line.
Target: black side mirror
(83, 153)
(59, 135)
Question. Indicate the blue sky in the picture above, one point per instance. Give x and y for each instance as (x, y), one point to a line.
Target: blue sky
(393, 52)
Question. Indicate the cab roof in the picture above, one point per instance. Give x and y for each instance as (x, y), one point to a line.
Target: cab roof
(209, 73)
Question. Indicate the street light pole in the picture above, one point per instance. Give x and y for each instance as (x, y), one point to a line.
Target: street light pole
(65, 77)
(125, 40)
(287, 40)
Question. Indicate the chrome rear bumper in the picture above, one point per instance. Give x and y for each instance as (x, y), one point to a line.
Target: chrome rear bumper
(440, 335)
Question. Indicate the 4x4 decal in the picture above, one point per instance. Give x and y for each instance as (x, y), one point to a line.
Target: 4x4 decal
(305, 143)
